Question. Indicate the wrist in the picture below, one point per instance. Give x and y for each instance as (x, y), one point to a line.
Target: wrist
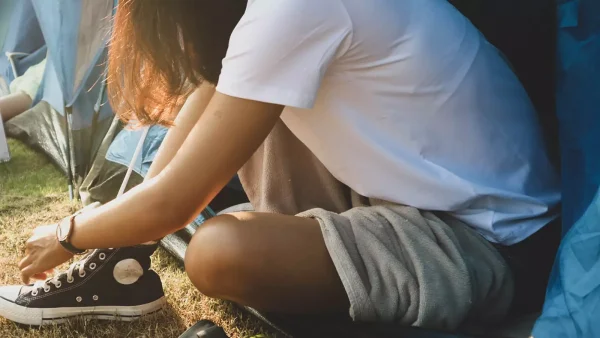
(64, 234)
(58, 244)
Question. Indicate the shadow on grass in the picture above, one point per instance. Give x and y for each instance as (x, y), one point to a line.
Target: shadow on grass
(17, 203)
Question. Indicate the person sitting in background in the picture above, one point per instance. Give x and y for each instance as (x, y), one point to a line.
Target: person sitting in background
(18, 97)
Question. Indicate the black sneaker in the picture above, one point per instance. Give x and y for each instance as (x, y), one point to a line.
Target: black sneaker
(114, 284)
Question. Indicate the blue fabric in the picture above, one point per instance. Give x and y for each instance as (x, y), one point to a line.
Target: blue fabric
(24, 36)
(572, 304)
(6, 10)
(59, 22)
(50, 90)
(122, 148)
(75, 70)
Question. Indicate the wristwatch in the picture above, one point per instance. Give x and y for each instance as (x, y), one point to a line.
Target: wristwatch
(64, 231)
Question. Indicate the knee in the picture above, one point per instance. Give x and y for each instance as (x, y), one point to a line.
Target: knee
(215, 256)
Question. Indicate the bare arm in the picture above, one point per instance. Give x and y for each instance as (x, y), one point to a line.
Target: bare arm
(185, 121)
(223, 139)
(13, 105)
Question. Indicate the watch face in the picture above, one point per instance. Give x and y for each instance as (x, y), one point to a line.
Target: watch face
(63, 230)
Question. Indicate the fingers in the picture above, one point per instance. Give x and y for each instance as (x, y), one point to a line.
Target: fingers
(44, 230)
(25, 262)
(26, 274)
(42, 252)
(29, 270)
(40, 276)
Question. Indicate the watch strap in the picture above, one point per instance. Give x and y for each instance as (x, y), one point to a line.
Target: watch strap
(66, 241)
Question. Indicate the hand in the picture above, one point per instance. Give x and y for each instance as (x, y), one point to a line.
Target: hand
(43, 252)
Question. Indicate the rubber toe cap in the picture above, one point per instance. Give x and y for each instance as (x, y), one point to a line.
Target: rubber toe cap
(10, 292)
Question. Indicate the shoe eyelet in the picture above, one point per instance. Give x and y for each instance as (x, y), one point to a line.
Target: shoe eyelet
(92, 266)
(82, 274)
(58, 285)
(78, 299)
(34, 293)
(46, 289)
(70, 280)
(102, 256)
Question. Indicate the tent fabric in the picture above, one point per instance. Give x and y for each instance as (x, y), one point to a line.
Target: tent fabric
(120, 152)
(23, 37)
(573, 300)
(44, 129)
(6, 10)
(77, 58)
(77, 40)
(73, 81)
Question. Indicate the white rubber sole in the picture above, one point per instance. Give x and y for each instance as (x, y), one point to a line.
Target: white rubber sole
(39, 316)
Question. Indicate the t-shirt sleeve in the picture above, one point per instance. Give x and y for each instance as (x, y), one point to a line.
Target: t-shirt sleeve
(281, 49)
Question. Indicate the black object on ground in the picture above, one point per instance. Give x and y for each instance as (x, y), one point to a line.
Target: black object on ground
(204, 329)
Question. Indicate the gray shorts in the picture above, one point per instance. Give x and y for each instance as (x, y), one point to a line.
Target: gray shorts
(401, 264)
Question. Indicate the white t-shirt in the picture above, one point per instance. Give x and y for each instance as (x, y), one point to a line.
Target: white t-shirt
(403, 101)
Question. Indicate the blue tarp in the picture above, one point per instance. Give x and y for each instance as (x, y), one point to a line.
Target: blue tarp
(572, 306)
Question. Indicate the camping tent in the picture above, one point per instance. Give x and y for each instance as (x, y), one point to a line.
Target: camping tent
(68, 92)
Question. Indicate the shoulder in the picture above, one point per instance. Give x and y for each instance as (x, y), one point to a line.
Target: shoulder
(308, 11)
(288, 23)
(302, 6)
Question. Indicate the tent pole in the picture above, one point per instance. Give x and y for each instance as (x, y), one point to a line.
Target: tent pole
(13, 65)
(68, 111)
(136, 154)
(97, 107)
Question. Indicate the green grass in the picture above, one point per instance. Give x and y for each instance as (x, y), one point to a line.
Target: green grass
(29, 175)
(28, 181)
(33, 192)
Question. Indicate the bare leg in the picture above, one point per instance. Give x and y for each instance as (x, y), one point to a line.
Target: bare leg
(13, 105)
(271, 262)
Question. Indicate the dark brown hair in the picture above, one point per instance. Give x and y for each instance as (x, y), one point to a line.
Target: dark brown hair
(162, 49)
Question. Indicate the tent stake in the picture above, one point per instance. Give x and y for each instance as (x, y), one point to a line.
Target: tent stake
(68, 111)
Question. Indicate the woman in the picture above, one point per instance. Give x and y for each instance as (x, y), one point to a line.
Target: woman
(404, 102)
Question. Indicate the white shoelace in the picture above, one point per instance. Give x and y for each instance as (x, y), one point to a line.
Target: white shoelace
(79, 265)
